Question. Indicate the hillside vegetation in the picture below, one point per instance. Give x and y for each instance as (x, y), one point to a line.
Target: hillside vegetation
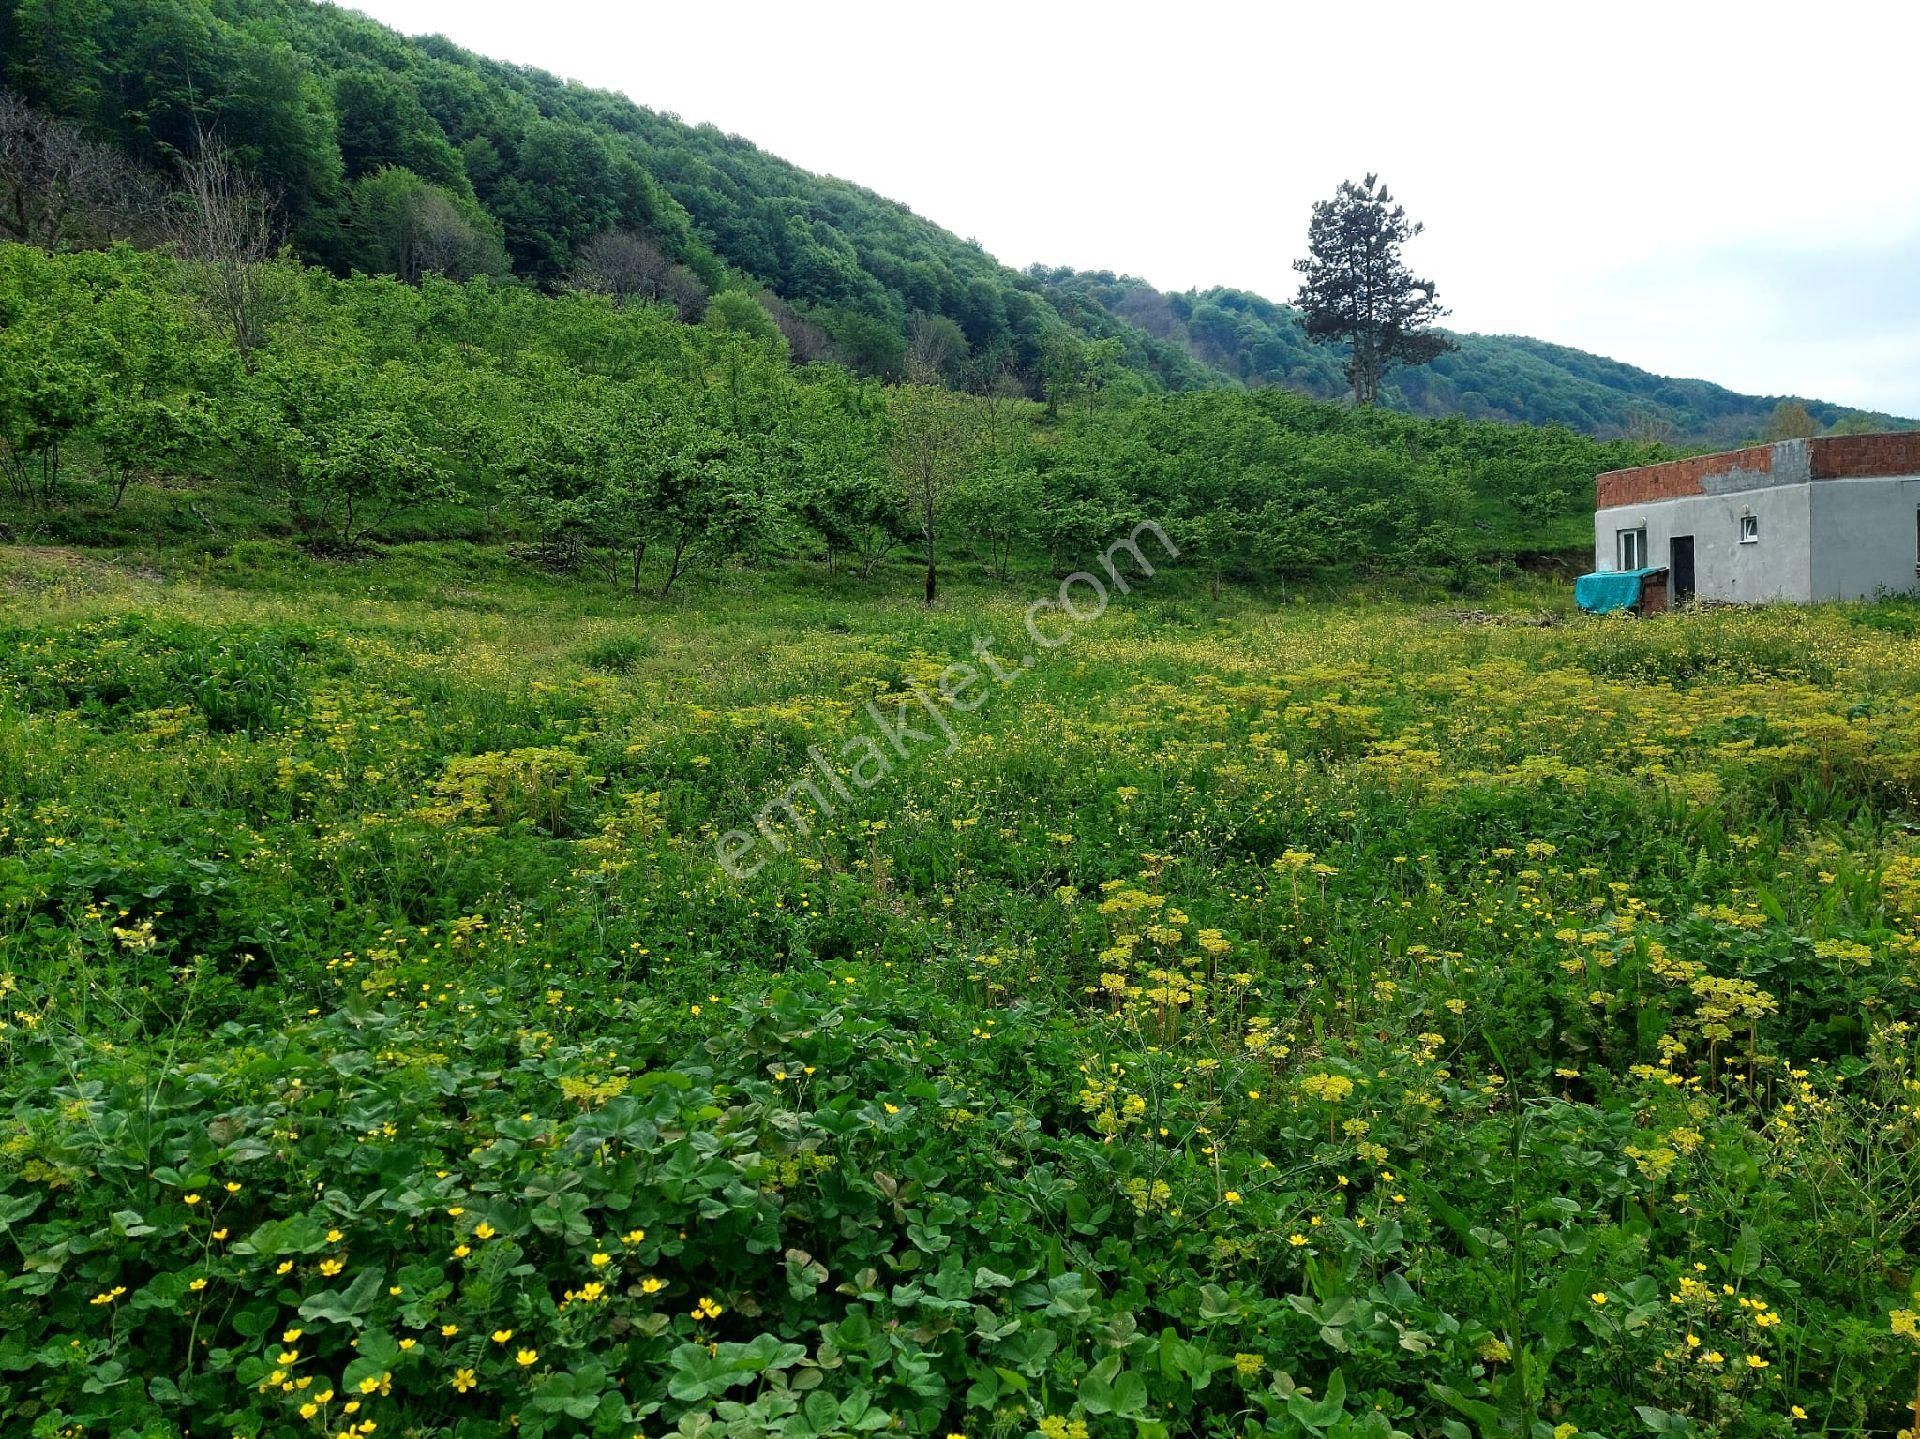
(629, 448)
(360, 131)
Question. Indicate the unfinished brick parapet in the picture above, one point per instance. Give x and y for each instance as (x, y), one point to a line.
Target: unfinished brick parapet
(1842, 457)
(1785, 462)
(1678, 477)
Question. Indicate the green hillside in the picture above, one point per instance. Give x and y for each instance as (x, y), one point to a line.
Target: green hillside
(616, 440)
(352, 124)
(320, 101)
(1489, 377)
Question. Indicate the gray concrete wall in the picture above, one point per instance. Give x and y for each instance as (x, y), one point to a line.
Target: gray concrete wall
(1775, 567)
(1865, 536)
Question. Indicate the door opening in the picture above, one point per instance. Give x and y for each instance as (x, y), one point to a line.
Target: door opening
(1680, 563)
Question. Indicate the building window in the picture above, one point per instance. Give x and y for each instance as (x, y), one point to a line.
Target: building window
(1633, 549)
(1749, 529)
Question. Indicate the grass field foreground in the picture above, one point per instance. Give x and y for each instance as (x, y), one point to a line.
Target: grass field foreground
(1317, 1020)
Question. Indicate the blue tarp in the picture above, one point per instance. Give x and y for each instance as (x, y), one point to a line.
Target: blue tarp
(1607, 590)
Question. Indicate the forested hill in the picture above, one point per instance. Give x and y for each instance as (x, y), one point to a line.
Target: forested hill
(325, 104)
(1489, 377)
(361, 131)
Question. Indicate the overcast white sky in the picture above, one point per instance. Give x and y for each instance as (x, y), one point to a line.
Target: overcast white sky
(1727, 191)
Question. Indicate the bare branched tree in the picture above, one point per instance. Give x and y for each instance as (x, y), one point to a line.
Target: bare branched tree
(994, 377)
(227, 226)
(682, 289)
(438, 240)
(58, 188)
(1648, 427)
(936, 349)
(623, 265)
(807, 342)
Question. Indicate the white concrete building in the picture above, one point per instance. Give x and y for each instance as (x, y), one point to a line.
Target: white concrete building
(1836, 518)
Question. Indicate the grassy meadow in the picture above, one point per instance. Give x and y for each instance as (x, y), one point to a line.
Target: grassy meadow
(1312, 1019)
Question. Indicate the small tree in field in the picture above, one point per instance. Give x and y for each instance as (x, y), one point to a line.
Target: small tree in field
(45, 400)
(346, 444)
(704, 503)
(998, 504)
(555, 466)
(143, 435)
(1356, 290)
(363, 466)
(844, 496)
(933, 443)
(630, 471)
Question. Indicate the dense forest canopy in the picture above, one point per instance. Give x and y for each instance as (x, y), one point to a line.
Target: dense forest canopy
(372, 140)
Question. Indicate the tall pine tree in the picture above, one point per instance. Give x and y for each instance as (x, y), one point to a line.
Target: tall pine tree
(1356, 290)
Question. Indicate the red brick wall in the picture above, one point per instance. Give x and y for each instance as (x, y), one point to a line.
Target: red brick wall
(1846, 456)
(1832, 458)
(1676, 477)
